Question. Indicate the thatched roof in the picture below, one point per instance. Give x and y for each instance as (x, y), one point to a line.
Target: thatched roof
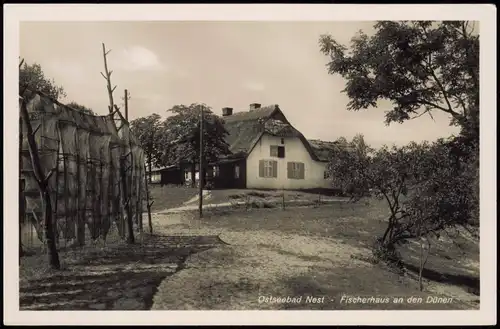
(321, 148)
(245, 129)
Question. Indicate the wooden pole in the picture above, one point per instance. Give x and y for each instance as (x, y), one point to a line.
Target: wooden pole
(149, 204)
(66, 196)
(80, 214)
(283, 198)
(21, 188)
(200, 170)
(126, 104)
(126, 199)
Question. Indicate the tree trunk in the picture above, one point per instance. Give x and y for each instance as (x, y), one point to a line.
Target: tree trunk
(193, 174)
(49, 232)
(423, 261)
(150, 160)
(384, 237)
(44, 189)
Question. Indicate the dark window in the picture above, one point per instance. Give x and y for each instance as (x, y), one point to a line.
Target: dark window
(282, 141)
(277, 151)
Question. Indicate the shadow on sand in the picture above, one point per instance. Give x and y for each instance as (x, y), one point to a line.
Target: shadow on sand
(122, 277)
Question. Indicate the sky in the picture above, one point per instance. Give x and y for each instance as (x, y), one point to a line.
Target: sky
(221, 64)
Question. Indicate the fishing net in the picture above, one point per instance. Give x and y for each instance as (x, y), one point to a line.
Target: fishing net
(98, 169)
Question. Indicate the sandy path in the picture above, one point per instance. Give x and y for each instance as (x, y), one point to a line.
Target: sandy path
(234, 276)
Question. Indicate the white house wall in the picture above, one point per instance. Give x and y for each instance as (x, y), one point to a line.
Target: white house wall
(295, 151)
(155, 178)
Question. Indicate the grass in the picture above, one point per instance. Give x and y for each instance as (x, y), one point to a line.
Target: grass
(170, 196)
(166, 197)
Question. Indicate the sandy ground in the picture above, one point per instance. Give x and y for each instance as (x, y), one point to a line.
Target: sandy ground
(262, 263)
(250, 266)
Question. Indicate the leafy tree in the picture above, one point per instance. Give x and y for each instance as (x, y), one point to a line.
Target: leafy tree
(181, 136)
(147, 130)
(82, 108)
(33, 78)
(419, 66)
(427, 188)
(388, 171)
(354, 183)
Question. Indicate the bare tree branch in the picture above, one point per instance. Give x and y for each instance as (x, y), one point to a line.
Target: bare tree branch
(443, 91)
(36, 129)
(451, 112)
(49, 174)
(107, 76)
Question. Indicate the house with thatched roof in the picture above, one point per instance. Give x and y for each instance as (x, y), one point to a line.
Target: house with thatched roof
(267, 152)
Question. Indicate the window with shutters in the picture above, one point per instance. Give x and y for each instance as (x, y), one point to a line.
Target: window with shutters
(268, 168)
(215, 171)
(295, 170)
(277, 151)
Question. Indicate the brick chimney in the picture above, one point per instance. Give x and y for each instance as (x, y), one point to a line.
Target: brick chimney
(254, 106)
(227, 111)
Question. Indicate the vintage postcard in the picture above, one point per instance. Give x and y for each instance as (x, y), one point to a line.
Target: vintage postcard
(312, 159)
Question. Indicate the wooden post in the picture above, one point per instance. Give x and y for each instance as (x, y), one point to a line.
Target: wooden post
(21, 188)
(283, 198)
(126, 104)
(200, 170)
(138, 206)
(126, 199)
(80, 219)
(150, 222)
(66, 196)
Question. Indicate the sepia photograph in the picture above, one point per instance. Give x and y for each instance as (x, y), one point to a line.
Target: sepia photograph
(251, 164)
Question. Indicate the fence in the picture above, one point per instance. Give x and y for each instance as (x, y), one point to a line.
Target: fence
(99, 177)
